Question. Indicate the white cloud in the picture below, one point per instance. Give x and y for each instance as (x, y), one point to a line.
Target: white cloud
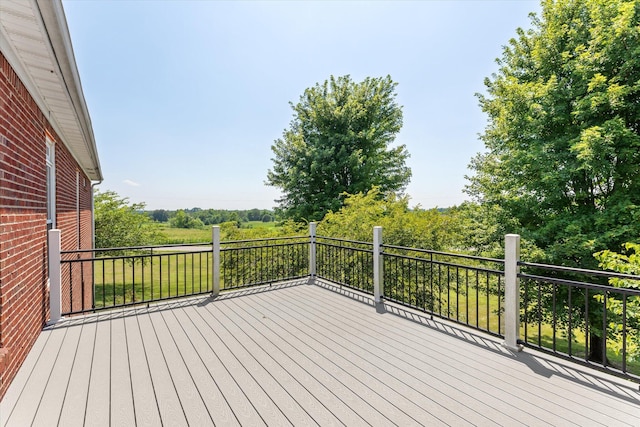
(131, 183)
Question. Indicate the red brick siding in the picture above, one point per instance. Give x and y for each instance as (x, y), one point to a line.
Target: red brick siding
(24, 304)
(73, 217)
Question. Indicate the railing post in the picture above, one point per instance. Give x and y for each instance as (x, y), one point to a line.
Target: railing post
(511, 292)
(215, 231)
(378, 265)
(55, 278)
(312, 252)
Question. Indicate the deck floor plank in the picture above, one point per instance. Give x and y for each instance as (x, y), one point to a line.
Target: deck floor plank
(294, 354)
(260, 399)
(75, 400)
(261, 342)
(24, 411)
(533, 393)
(98, 410)
(213, 399)
(416, 370)
(11, 397)
(190, 398)
(143, 394)
(121, 390)
(285, 410)
(351, 408)
(369, 395)
(51, 407)
(448, 379)
(366, 367)
(241, 406)
(171, 412)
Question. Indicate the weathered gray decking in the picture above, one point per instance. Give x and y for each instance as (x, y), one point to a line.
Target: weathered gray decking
(301, 355)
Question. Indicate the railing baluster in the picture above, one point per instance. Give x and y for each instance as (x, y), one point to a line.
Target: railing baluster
(540, 315)
(555, 289)
(604, 329)
(624, 333)
(570, 331)
(466, 293)
(477, 299)
(587, 343)
(487, 313)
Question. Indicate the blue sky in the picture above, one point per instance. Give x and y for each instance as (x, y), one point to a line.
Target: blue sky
(187, 97)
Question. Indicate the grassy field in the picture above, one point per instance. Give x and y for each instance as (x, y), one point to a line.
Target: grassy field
(123, 281)
(252, 229)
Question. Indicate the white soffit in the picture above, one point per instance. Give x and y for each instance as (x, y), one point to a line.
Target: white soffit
(34, 38)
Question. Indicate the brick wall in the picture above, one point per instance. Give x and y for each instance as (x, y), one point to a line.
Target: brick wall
(23, 213)
(73, 218)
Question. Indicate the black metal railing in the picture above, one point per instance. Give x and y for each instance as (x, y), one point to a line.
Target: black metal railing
(117, 277)
(461, 288)
(345, 262)
(576, 314)
(247, 263)
(94, 280)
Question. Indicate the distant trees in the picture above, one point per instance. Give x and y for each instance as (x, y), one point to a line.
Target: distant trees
(183, 220)
(197, 217)
(160, 215)
(339, 141)
(218, 216)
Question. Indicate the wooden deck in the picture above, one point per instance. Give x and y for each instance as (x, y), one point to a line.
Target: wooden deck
(298, 354)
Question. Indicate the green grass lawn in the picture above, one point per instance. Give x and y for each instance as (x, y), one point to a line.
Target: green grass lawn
(122, 281)
(185, 235)
(251, 229)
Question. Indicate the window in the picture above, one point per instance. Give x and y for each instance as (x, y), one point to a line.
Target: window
(51, 185)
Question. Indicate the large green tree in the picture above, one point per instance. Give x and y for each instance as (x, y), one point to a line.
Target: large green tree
(563, 139)
(563, 136)
(119, 223)
(339, 141)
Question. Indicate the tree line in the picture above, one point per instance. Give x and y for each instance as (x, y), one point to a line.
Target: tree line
(198, 218)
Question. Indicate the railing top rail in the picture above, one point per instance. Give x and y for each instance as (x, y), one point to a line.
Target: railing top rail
(337, 239)
(446, 264)
(266, 239)
(350, 248)
(428, 251)
(126, 248)
(609, 274)
(158, 254)
(176, 245)
(266, 245)
(576, 283)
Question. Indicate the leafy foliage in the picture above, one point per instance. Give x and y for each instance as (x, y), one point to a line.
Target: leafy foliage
(121, 224)
(626, 263)
(563, 135)
(429, 229)
(338, 142)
